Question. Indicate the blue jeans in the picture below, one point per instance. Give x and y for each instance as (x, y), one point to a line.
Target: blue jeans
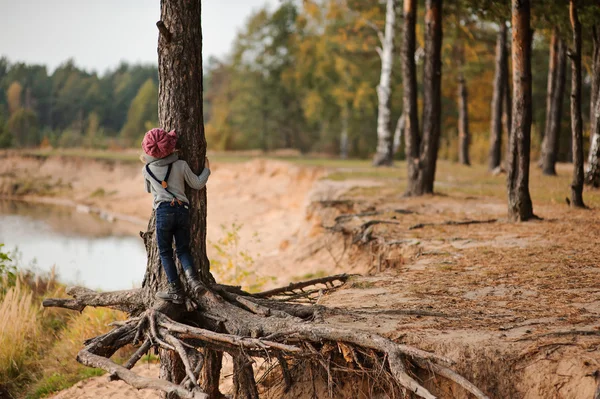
(173, 222)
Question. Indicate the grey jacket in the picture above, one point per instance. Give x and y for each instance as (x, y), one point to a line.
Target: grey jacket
(180, 174)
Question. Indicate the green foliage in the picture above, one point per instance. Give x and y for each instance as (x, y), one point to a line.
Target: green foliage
(8, 271)
(143, 112)
(71, 99)
(23, 126)
(231, 264)
(6, 138)
(70, 138)
(295, 75)
(57, 382)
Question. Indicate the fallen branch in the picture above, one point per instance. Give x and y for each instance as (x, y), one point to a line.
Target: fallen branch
(562, 333)
(292, 287)
(452, 223)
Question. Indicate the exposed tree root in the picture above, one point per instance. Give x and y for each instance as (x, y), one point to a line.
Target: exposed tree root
(250, 327)
(562, 333)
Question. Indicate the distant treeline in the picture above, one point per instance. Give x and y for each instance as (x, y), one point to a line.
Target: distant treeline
(297, 76)
(74, 108)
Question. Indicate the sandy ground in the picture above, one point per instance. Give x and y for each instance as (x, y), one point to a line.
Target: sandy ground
(101, 387)
(516, 305)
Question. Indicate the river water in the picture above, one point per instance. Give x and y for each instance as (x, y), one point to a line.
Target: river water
(85, 249)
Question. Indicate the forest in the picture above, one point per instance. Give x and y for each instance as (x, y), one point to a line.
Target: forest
(305, 76)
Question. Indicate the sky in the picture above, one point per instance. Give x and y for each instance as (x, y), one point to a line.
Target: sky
(98, 34)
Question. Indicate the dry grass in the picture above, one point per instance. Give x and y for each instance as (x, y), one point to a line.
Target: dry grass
(38, 347)
(19, 335)
(59, 370)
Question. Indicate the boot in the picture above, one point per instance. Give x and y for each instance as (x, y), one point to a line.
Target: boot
(195, 285)
(173, 294)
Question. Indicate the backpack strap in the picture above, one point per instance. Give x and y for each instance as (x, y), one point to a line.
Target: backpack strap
(163, 182)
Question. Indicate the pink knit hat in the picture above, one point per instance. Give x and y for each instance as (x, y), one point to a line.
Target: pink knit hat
(158, 144)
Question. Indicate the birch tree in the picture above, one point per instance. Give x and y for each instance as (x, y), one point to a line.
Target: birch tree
(592, 173)
(384, 154)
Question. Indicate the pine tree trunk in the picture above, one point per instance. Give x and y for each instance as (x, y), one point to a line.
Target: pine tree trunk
(432, 100)
(554, 110)
(409, 76)
(552, 61)
(592, 173)
(520, 207)
(180, 108)
(384, 154)
(507, 108)
(500, 88)
(463, 112)
(595, 73)
(576, 123)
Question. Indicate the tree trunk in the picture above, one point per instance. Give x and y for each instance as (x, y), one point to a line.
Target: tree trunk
(344, 134)
(409, 77)
(554, 110)
(398, 132)
(507, 108)
(500, 87)
(384, 154)
(463, 111)
(592, 173)
(592, 176)
(180, 108)
(552, 61)
(576, 123)
(432, 102)
(595, 73)
(520, 207)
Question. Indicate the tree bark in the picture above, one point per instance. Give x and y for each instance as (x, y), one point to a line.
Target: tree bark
(500, 87)
(552, 61)
(507, 109)
(554, 101)
(180, 109)
(412, 136)
(592, 173)
(432, 98)
(576, 123)
(520, 207)
(384, 154)
(595, 73)
(463, 111)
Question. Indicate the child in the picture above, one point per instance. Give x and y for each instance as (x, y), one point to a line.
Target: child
(165, 177)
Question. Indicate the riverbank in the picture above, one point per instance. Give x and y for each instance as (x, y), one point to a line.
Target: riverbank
(516, 305)
(263, 202)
